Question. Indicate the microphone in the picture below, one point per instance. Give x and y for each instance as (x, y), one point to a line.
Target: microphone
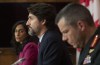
(18, 61)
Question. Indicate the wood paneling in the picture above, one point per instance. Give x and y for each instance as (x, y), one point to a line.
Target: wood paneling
(7, 56)
(39, 1)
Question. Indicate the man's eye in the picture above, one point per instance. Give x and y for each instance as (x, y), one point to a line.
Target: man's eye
(29, 18)
(65, 31)
(21, 30)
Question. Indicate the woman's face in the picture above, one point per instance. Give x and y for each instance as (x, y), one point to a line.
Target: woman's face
(20, 33)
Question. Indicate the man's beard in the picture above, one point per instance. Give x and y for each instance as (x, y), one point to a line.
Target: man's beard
(31, 32)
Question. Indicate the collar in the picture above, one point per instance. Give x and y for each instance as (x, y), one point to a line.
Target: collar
(41, 37)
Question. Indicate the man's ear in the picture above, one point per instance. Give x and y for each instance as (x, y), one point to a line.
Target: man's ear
(43, 22)
(81, 25)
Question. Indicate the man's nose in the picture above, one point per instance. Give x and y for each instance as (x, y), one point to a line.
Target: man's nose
(27, 23)
(65, 38)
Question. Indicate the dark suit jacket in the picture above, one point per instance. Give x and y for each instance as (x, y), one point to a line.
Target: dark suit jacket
(51, 51)
(95, 55)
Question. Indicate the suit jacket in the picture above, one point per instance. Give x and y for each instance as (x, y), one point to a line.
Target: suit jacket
(30, 53)
(95, 55)
(51, 50)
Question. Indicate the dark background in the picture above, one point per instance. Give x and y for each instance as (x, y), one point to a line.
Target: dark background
(12, 12)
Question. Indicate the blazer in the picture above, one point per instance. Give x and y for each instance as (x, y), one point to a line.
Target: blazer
(30, 53)
(91, 58)
(51, 50)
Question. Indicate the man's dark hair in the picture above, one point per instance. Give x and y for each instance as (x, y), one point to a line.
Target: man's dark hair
(44, 11)
(74, 12)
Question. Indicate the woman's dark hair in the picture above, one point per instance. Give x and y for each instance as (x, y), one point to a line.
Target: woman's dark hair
(18, 47)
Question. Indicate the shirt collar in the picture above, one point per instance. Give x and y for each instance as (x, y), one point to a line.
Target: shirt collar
(41, 37)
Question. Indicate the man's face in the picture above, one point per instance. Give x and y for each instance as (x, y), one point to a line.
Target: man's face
(70, 34)
(34, 24)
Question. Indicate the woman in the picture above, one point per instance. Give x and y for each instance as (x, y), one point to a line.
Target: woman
(25, 45)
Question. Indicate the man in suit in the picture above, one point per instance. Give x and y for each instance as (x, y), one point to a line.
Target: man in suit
(41, 22)
(78, 29)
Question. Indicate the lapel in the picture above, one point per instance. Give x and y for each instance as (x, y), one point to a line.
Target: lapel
(85, 51)
(41, 45)
(83, 54)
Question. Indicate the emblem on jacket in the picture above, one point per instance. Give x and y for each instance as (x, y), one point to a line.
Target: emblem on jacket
(87, 60)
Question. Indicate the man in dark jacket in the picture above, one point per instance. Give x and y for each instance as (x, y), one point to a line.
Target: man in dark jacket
(78, 29)
(41, 22)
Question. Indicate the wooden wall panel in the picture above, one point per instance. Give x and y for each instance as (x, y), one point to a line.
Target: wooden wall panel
(7, 56)
(39, 1)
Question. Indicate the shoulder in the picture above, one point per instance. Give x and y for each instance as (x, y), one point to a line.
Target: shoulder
(51, 38)
(52, 35)
(30, 45)
(96, 54)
